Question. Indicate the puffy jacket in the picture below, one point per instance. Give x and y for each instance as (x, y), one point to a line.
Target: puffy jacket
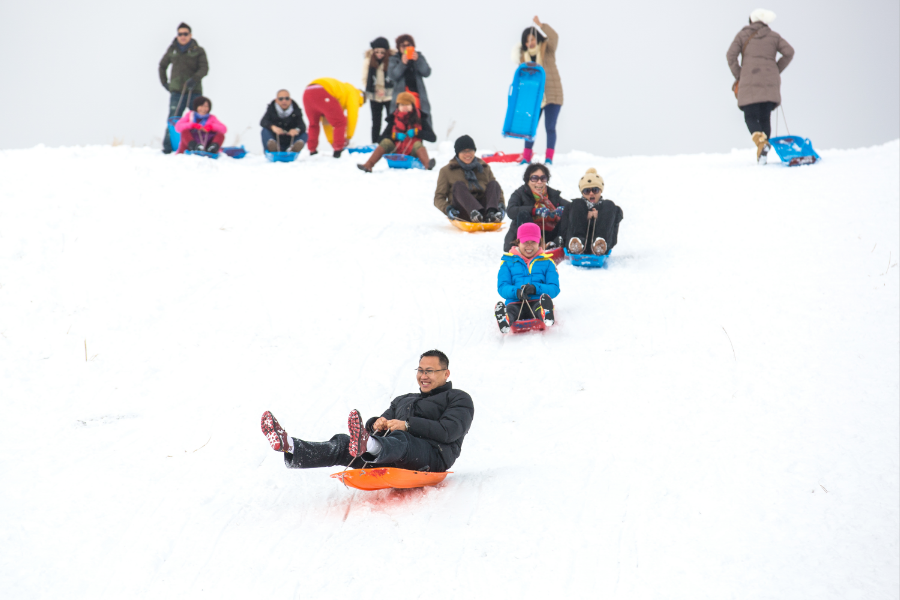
(441, 417)
(350, 100)
(212, 123)
(759, 73)
(452, 173)
(523, 200)
(191, 64)
(294, 121)
(514, 273)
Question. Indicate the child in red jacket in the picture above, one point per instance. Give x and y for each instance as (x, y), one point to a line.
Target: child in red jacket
(403, 135)
(200, 131)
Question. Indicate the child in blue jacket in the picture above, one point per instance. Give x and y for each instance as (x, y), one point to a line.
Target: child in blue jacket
(529, 276)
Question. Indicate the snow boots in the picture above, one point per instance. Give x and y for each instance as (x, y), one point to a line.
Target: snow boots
(359, 437)
(599, 246)
(762, 146)
(274, 432)
(298, 146)
(493, 215)
(272, 146)
(546, 309)
(502, 317)
(475, 216)
(422, 155)
(576, 246)
(377, 153)
(213, 148)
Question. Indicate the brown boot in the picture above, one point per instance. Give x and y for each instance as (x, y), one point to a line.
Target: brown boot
(422, 155)
(599, 246)
(376, 156)
(298, 146)
(759, 138)
(272, 146)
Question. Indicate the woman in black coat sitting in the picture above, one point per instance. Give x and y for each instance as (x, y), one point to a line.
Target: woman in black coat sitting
(536, 202)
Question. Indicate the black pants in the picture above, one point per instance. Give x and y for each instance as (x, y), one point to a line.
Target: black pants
(517, 311)
(465, 201)
(400, 449)
(759, 117)
(606, 225)
(377, 123)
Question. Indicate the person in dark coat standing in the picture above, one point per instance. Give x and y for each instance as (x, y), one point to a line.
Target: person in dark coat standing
(596, 217)
(283, 128)
(758, 76)
(466, 187)
(407, 69)
(189, 67)
(423, 431)
(378, 85)
(536, 202)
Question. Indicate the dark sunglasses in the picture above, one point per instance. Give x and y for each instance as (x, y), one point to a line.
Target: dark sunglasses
(184, 34)
(543, 178)
(591, 191)
(284, 97)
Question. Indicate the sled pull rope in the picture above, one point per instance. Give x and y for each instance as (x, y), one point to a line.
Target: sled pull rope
(178, 106)
(784, 116)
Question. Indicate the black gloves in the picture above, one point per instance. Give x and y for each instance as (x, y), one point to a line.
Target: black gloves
(190, 84)
(525, 291)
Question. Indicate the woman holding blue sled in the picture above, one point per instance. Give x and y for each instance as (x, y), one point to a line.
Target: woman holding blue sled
(542, 50)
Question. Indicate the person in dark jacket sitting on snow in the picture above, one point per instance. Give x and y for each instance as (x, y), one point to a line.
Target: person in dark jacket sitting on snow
(527, 281)
(403, 135)
(423, 431)
(597, 217)
(536, 202)
(283, 128)
(466, 188)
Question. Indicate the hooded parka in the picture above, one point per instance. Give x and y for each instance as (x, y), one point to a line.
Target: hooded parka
(759, 74)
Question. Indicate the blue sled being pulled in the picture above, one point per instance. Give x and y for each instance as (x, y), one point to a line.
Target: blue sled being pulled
(523, 109)
(794, 150)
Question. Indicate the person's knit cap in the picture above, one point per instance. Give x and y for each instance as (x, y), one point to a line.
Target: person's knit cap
(380, 42)
(590, 179)
(761, 14)
(464, 142)
(528, 232)
(406, 98)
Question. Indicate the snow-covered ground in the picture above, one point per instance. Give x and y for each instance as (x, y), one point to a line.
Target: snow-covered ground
(715, 415)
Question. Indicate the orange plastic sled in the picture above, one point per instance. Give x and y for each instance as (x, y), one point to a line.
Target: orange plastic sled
(388, 477)
(470, 227)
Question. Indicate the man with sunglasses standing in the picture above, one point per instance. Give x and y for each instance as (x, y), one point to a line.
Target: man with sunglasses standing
(422, 431)
(189, 67)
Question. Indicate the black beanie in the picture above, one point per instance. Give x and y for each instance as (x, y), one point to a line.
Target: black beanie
(380, 42)
(464, 143)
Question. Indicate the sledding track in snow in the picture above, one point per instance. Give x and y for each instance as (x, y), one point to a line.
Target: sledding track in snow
(674, 436)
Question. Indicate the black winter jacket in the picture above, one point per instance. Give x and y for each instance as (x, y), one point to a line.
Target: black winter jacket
(294, 121)
(442, 417)
(523, 200)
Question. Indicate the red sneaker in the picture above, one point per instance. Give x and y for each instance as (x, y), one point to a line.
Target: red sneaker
(274, 432)
(359, 437)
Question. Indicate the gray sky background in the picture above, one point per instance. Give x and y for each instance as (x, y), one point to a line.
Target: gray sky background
(639, 78)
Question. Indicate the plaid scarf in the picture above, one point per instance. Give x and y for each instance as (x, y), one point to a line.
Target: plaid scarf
(545, 223)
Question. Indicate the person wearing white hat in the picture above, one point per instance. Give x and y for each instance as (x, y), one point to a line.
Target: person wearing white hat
(593, 220)
(758, 75)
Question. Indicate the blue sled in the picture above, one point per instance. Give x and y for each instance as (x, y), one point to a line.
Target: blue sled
(794, 150)
(198, 153)
(523, 109)
(235, 151)
(174, 136)
(402, 161)
(362, 149)
(282, 156)
(588, 261)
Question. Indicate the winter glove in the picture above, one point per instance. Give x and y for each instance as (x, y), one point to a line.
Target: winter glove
(196, 126)
(530, 290)
(542, 211)
(558, 212)
(411, 132)
(190, 84)
(401, 136)
(452, 213)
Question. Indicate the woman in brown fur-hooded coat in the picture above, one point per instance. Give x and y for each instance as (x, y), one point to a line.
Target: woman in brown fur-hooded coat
(377, 84)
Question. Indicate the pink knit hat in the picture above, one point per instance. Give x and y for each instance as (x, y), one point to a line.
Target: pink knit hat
(529, 232)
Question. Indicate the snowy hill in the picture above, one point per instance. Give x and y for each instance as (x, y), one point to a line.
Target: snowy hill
(714, 416)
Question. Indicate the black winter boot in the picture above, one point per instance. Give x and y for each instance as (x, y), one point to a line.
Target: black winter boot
(502, 317)
(547, 309)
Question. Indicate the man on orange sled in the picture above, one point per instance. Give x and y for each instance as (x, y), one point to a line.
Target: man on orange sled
(420, 432)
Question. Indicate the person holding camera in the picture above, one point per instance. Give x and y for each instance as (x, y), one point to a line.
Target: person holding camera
(597, 217)
(407, 69)
(189, 67)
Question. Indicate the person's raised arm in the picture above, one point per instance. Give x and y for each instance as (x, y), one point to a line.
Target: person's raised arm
(552, 37)
(787, 54)
(453, 424)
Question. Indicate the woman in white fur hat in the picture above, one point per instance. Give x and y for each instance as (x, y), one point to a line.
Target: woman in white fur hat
(593, 221)
(758, 76)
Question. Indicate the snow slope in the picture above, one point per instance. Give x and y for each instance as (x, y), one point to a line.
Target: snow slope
(715, 415)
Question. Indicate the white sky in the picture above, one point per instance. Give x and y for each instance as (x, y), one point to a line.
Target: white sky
(639, 78)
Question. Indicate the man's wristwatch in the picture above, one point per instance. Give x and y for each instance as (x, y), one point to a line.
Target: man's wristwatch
(407, 425)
